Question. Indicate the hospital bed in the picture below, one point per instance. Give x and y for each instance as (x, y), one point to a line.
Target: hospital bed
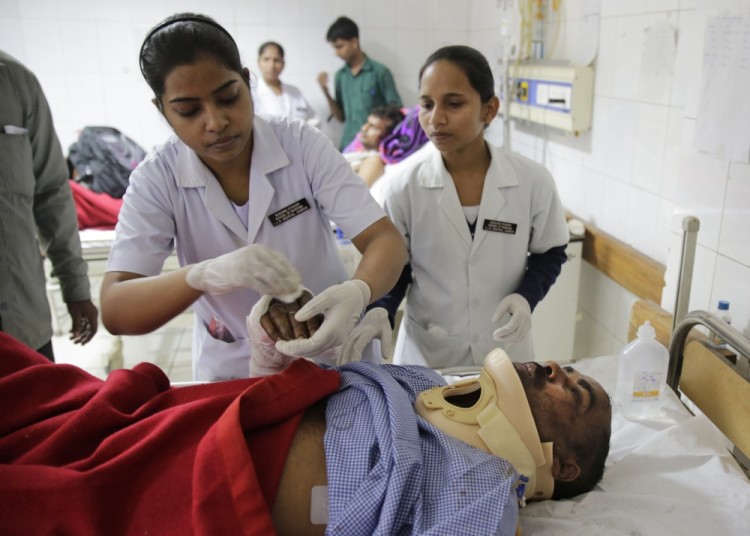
(682, 475)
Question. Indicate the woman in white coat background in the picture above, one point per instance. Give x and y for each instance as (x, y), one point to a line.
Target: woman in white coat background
(485, 228)
(274, 97)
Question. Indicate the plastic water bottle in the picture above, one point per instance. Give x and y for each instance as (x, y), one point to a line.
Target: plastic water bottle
(722, 311)
(642, 376)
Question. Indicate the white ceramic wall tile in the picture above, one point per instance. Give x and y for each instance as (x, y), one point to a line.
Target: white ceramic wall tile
(380, 14)
(255, 12)
(79, 49)
(598, 296)
(623, 7)
(453, 15)
(484, 14)
(613, 137)
(663, 231)
(735, 224)
(648, 150)
(625, 301)
(38, 9)
(606, 59)
(181, 6)
(593, 196)
(700, 190)
(662, 5)
(570, 184)
(643, 215)
(615, 208)
(11, 38)
(81, 10)
(111, 11)
(43, 45)
(703, 273)
(628, 55)
(732, 283)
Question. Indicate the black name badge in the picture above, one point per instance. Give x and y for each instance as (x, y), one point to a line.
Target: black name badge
(500, 226)
(289, 212)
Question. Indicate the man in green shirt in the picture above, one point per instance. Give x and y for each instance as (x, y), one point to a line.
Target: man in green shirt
(361, 85)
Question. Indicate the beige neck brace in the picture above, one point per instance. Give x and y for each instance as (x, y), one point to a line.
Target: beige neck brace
(500, 422)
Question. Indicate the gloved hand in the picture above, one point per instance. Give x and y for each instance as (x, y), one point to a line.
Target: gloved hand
(255, 266)
(374, 325)
(341, 305)
(265, 359)
(520, 323)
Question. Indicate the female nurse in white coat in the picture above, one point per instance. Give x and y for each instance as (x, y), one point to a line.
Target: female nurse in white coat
(275, 97)
(246, 203)
(485, 228)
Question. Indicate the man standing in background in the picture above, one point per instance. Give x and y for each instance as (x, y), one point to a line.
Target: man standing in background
(37, 216)
(360, 85)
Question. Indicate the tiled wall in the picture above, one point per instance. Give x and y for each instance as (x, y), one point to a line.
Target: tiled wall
(634, 175)
(85, 52)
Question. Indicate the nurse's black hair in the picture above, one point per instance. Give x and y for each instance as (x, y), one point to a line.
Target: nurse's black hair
(471, 62)
(180, 40)
(267, 44)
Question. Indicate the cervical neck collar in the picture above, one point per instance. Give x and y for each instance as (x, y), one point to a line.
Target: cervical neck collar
(500, 422)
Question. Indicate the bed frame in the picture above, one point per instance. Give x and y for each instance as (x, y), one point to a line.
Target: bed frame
(714, 381)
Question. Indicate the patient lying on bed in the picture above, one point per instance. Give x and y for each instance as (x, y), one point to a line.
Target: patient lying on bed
(293, 451)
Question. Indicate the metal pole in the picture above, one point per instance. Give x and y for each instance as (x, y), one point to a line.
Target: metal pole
(690, 225)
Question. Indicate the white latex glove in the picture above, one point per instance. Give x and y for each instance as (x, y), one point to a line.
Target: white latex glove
(520, 323)
(265, 359)
(374, 325)
(255, 266)
(342, 306)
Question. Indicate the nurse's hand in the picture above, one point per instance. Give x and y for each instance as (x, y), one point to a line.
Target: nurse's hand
(374, 325)
(342, 306)
(520, 322)
(255, 266)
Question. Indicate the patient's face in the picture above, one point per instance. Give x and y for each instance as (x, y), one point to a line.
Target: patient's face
(373, 130)
(563, 401)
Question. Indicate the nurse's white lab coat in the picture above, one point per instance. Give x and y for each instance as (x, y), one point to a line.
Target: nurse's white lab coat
(458, 283)
(299, 183)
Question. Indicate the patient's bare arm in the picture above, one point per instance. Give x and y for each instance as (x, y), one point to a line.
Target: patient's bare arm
(279, 322)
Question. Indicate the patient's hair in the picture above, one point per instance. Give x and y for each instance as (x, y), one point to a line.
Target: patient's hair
(391, 112)
(180, 40)
(262, 48)
(471, 62)
(342, 28)
(591, 451)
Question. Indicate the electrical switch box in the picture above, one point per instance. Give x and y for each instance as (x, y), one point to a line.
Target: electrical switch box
(553, 95)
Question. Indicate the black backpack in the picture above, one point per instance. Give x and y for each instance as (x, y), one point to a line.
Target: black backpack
(104, 158)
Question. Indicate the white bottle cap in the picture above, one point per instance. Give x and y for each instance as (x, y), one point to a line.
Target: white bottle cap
(646, 331)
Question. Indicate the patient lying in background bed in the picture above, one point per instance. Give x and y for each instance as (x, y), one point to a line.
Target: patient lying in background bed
(131, 454)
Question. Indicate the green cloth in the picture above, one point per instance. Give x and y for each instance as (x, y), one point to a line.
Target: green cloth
(373, 86)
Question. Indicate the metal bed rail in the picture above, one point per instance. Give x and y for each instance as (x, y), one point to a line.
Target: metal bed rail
(732, 336)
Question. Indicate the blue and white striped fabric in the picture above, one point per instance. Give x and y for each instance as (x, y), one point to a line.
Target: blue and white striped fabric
(390, 472)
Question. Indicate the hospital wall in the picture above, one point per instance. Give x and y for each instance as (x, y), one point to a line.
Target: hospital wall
(634, 175)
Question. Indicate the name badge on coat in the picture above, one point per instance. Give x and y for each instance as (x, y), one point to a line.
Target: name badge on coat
(289, 212)
(497, 226)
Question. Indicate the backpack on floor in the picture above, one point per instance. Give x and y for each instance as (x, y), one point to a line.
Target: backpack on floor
(104, 158)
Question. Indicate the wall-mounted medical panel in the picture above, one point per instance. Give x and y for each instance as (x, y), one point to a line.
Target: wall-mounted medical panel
(553, 95)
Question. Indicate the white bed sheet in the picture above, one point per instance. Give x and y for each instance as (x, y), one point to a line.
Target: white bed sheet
(663, 478)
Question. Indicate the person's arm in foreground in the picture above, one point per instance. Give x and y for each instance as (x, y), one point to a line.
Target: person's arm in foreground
(336, 110)
(57, 224)
(133, 304)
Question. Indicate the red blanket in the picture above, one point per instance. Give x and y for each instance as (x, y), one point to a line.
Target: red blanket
(130, 455)
(94, 210)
